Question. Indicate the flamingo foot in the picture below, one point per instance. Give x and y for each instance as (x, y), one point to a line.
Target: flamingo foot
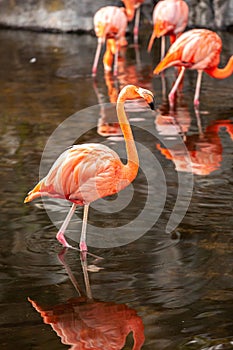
(94, 71)
(82, 250)
(83, 246)
(61, 238)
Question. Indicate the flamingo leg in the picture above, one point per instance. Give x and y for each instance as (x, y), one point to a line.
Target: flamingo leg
(96, 59)
(82, 243)
(163, 44)
(60, 235)
(136, 26)
(198, 87)
(116, 59)
(175, 86)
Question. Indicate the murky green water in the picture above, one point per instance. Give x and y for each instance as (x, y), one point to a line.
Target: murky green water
(175, 289)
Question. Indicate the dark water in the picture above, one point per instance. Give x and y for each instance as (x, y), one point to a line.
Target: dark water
(173, 284)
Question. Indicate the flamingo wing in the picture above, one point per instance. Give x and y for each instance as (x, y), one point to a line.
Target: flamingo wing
(82, 174)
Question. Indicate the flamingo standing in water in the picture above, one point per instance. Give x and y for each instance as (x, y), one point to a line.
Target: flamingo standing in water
(133, 11)
(195, 49)
(85, 173)
(110, 22)
(170, 17)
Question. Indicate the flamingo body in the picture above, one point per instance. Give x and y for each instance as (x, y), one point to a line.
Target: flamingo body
(170, 17)
(196, 49)
(84, 173)
(110, 22)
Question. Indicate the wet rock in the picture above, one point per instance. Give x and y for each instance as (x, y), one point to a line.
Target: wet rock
(213, 14)
(52, 15)
(77, 15)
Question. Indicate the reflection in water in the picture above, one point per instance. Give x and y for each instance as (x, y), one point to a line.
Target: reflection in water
(85, 323)
(204, 148)
(108, 125)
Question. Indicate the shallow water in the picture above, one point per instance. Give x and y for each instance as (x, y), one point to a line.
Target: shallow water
(171, 282)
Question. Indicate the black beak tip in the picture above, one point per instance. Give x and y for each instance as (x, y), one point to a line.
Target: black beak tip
(152, 106)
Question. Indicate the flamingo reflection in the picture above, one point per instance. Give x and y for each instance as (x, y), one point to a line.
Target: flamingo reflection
(108, 125)
(202, 153)
(88, 324)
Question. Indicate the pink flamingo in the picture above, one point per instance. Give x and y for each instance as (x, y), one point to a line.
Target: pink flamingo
(133, 11)
(87, 172)
(110, 22)
(195, 49)
(170, 17)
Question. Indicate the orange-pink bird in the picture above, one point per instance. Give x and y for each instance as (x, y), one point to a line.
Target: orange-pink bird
(195, 49)
(133, 12)
(87, 172)
(110, 22)
(170, 17)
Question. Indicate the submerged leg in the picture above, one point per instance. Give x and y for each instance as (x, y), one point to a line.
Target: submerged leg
(60, 235)
(175, 86)
(82, 244)
(198, 87)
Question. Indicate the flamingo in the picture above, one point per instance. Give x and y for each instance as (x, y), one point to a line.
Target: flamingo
(84, 173)
(110, 22)
(133, 11)
(170, 17)
(195, 49)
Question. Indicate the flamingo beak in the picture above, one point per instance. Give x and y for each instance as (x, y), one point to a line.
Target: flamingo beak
(152, 105)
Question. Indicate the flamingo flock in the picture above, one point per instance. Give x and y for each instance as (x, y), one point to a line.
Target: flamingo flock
(84, 173)
(198, 49)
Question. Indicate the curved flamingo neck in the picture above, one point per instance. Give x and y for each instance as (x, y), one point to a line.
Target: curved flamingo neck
(221, 73)
(132, 154)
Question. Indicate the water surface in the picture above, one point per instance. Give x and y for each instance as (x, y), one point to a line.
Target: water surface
(179, 285)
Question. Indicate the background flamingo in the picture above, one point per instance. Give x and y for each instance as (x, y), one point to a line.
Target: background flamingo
(195, 49)
(170, 17)
(85, 173)
(133, 12)
(110, 22)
